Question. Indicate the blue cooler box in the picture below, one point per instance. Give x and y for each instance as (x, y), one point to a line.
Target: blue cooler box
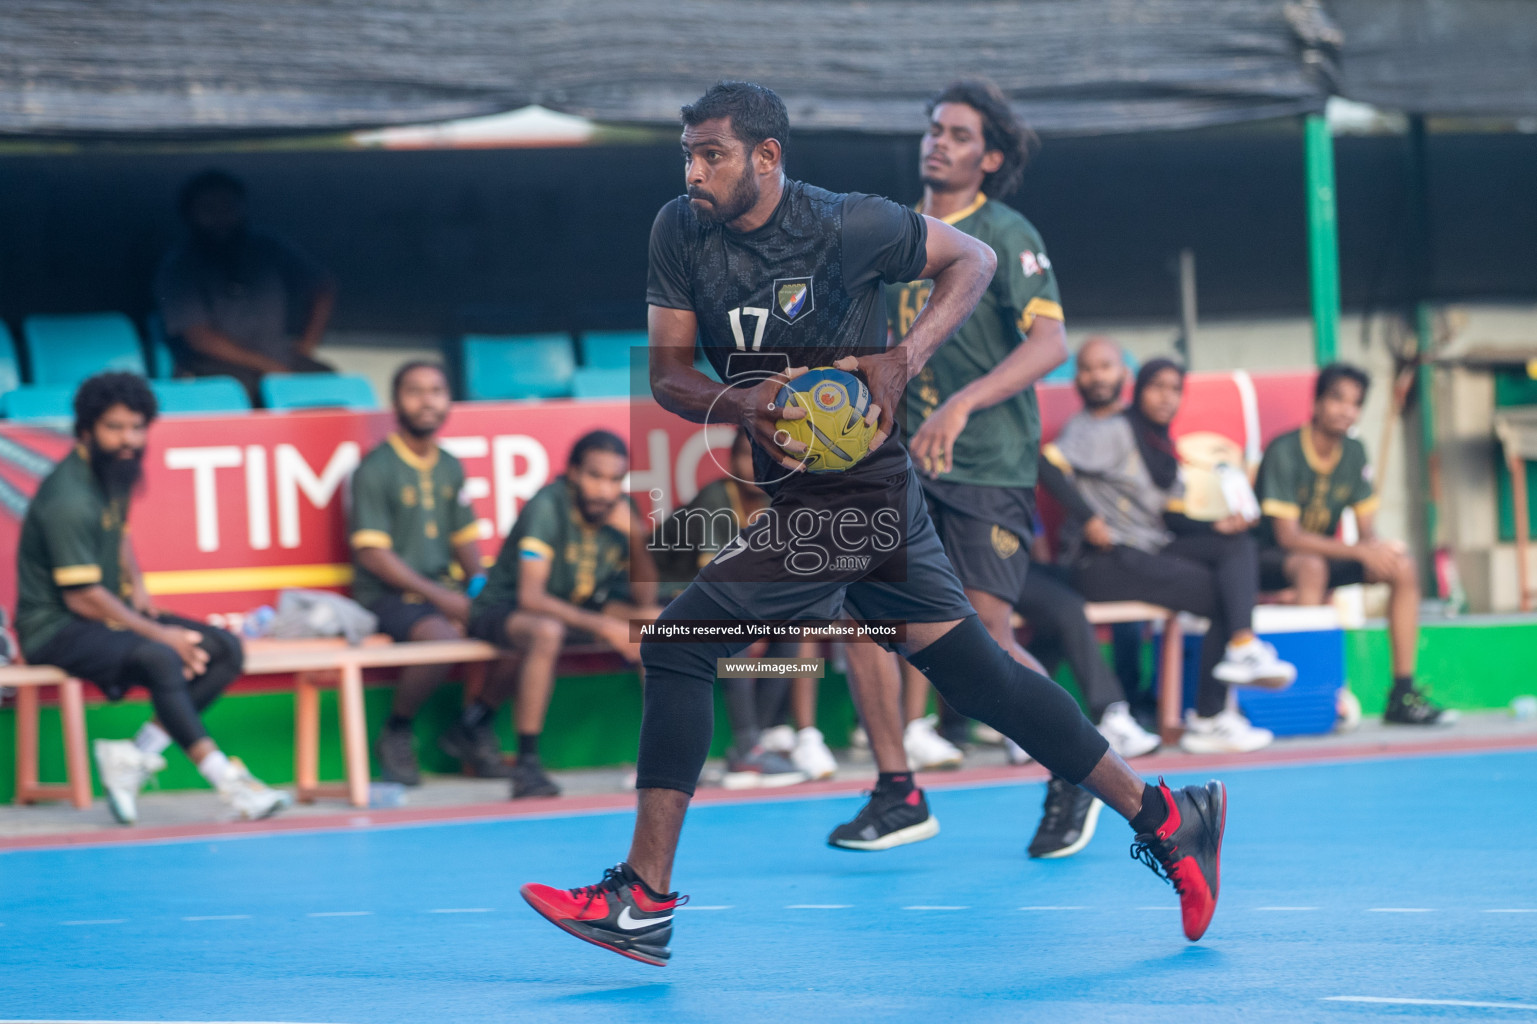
(1311, 639)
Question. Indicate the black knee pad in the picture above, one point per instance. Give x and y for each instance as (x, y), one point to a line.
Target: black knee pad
(981, 681)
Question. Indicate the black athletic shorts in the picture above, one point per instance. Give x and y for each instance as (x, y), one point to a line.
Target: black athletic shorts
(398, 616)
(826, 549)
(490, 625)
(1343, 572)
(986, 532)
(96, 652)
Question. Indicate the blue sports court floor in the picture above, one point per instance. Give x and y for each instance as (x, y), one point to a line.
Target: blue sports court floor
(1379, 890)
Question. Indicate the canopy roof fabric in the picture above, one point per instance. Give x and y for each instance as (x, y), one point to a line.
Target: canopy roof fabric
(136, 68)
(222, 67)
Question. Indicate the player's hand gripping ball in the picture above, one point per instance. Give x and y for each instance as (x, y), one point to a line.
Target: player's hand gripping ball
(834, 430)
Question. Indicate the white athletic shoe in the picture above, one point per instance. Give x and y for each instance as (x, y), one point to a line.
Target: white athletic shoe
(859, 739)
(927, 749)
(1126, 737)
(1016, 754)
(811, 755)
(985, 734)
(778, 740)
(124, 769)
(250, 797)
(1226, 732)
(1255, 664)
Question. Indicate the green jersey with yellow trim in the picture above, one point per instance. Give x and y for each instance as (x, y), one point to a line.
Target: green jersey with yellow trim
(588, 564)
(413, 505)
(697, 532)
(1000, 444)
(72, 536)
(1294, 483)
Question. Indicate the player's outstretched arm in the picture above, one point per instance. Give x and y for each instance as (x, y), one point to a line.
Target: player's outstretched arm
(681, 389)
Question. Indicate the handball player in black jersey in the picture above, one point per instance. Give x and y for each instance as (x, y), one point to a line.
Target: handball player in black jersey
(775, 277)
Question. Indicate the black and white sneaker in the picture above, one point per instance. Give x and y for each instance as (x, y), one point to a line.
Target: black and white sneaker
(477, 750)
(1412, 707)
(1067, 821)
(890, 818)
(529, 779)
(397, 757)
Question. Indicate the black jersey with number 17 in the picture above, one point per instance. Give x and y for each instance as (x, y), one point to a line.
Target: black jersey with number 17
(804, 289)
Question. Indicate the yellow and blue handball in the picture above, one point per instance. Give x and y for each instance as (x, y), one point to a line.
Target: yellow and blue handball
(834, 430)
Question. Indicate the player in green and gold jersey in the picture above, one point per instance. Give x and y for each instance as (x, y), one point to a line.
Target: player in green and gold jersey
(974, 429)
(564, 571)
(415, 547)
(1307, 479)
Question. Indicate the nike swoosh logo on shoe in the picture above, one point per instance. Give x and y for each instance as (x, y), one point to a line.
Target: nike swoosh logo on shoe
(632, 924)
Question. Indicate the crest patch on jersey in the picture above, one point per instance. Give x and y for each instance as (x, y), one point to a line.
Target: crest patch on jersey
(793, 298)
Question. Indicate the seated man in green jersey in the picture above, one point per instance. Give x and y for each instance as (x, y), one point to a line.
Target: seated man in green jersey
(1307, 479)
(564, 572)
(84, 607)
(415, 543)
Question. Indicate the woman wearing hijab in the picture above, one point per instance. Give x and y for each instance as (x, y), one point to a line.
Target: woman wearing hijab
(1134, 548)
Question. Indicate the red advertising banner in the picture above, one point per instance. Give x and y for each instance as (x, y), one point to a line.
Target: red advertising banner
(236, 508)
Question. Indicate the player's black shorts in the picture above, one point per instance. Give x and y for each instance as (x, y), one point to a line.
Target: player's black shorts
(97, 653)
(398, 616)
(1343, 572)
(869, 551)
(490, 624)
(986, 532)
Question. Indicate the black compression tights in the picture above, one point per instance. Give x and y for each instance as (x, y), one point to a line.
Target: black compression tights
(179, 700)
(965, 665)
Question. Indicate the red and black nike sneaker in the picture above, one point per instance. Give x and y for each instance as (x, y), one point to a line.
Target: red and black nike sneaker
(619, 913)
(1186, 850)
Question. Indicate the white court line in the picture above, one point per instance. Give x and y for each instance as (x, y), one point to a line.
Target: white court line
(1394, 1001)
(334, 913)
(463, 910)
(687, 906)
(819, 906)
(1158, 908)
(1053, 908)
(105, 920)
(1285, 908)
(218, 917)
(1400, 910)
(927, 907)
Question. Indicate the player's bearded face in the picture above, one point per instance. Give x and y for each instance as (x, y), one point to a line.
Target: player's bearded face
(117, 466)
(724, 200)
(421, 406)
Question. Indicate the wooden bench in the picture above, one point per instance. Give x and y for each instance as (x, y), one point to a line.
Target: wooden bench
(1171, 669)
(314, 663)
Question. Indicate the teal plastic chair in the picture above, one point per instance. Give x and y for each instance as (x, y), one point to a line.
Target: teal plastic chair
(10, 369)
(611, 350)
(162, 366)
(286, 391)
(41, 403)
(601, 382)
(517, 366)
(65, 349)
(188, 395)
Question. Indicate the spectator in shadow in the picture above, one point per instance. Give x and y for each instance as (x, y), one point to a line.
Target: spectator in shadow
(239, 302)
(1138, 546)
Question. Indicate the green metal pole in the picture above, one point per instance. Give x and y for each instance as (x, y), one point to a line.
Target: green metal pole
(1424, 330)
(1323, 238)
